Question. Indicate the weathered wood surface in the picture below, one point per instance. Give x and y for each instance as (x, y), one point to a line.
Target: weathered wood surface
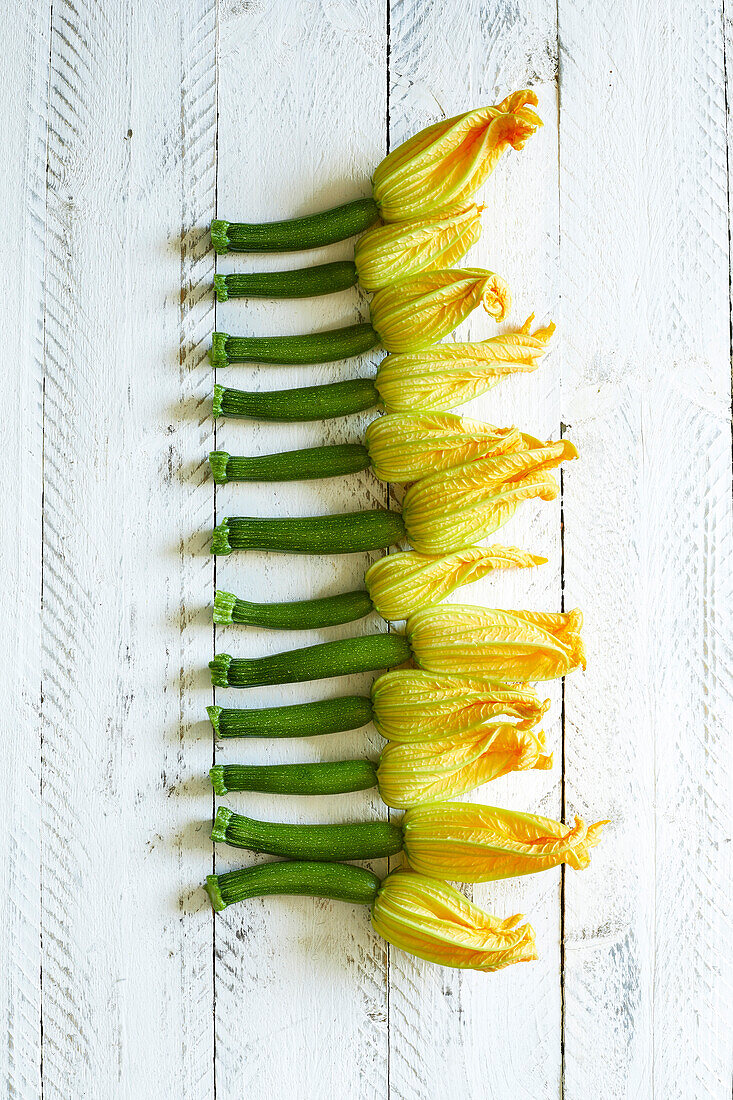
(127, 126)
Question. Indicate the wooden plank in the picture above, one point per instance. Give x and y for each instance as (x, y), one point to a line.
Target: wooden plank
(127, 948)
(24, 37)
(453, 1034)
(644, 260)
(301, 126)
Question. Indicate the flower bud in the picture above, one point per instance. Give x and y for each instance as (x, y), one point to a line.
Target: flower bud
(407, 446)
(500, 645)
(412, 705)
(431, 771)
(455, 508)
(450, 374)
(400, 584)
(435, 922)
(387, 253)
(472, 843)
(437, 171)
(415, 313)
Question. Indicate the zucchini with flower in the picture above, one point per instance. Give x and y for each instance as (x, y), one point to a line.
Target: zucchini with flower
(406, 705)
(433, 380)
(442, 513)
(399, 447)
(433, 174)
(469, 640)
(465, 841)
(406, 775)
(427, 918)
(397, 586)
(383, 255)
(407, 316)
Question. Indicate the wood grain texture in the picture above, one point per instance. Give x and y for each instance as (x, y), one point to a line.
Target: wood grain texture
(300, 984)
(445, 58)
(127, 968)
(648, 547)
(24, 41)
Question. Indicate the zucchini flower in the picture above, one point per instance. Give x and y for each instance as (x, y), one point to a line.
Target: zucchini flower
(420, 915)
(406, 706)
(504, 645)
(458, 507)
(442, 513)
(434, 921)
(407, 775)
(474, 843)
(478, 641)
(396, 586)
(469, 842)
(407, 316)
(434, 174)
(410, 705)
(432, 771)
(389, 253)
(439, 378)
(383, 255)
(399, 447)
(439, 169)
(451, 374)
(401, 584)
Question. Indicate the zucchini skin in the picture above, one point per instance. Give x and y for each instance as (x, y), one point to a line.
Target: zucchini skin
(295, 234)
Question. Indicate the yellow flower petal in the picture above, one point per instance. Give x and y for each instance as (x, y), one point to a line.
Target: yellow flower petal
(440, 168)
(406, 446)
(400, 584)
(433, 921)
(456, 508)
(411, 705)
(473, 843)
(414, 313)
(431, 771)
(500, 645)
(450, 374)
(388, 253)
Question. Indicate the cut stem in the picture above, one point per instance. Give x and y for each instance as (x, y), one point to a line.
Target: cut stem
(300, 615)
(342, 658)
(340, 534)
(296, 234)
(304, 282)
(332, 777)
(299, 404)
(346, 712)
(312, 347)
(301, 465)
(360, 840)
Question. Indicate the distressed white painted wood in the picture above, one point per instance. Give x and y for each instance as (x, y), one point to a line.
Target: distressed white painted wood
(23, 93)
(127, 987)
(646, 373)
(125, 126)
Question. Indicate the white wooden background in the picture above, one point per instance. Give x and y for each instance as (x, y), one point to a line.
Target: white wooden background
(126, 126)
